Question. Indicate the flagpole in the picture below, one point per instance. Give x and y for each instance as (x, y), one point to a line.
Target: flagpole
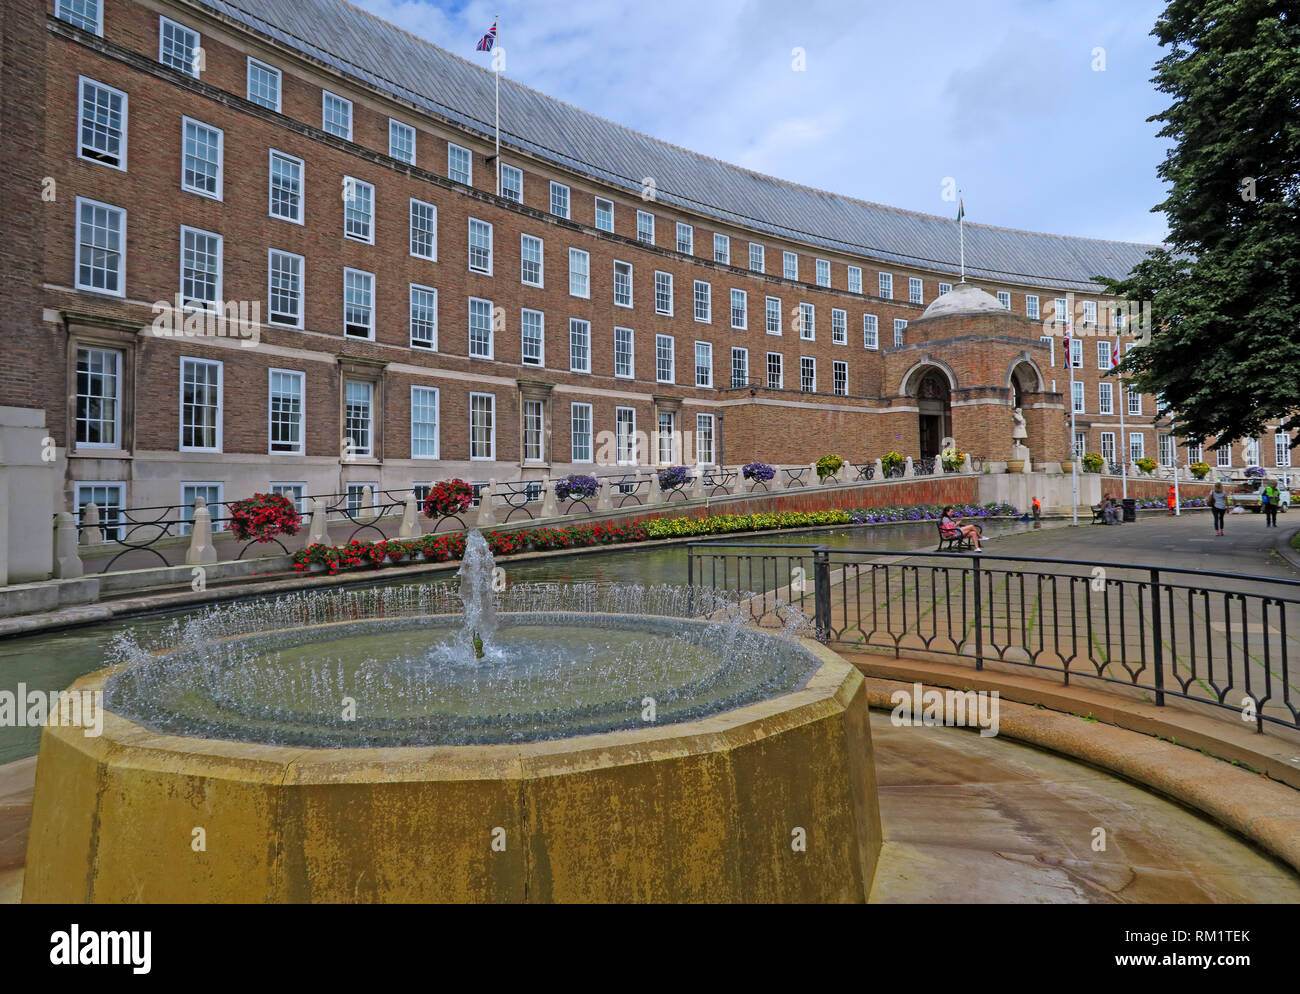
(1123, 434)
(1075, 455)
(961, 233)
(497, 73)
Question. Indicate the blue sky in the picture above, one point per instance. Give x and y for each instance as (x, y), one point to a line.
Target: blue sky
(1002, 96)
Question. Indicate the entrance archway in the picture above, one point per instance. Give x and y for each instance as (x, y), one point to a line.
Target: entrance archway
(934, 408)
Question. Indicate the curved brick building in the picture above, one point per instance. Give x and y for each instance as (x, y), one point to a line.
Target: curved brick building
(305, 166)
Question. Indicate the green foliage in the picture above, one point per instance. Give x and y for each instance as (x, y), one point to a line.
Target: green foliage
(891, 461)
(1146, 464)
(1092, 462)
(1225, 295)
(828, 465)
(1200, 470)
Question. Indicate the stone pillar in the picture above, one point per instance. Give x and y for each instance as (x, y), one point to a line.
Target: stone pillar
(938, 465)
(812, 468)
(550, 507)
(67, 564)
(318, 533)
(487, 513)
(879, 471)
(90, 533)
(907, 467)
(367, 512)
(656, 491)
(410, 519)
(697, 484)
(738, 484)
(201, 551)
(604, 497)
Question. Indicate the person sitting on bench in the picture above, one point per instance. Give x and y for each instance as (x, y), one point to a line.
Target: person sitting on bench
(1112, 510)
(950, 524)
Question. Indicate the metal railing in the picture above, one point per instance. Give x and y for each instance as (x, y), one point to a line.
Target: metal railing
(1226, 640)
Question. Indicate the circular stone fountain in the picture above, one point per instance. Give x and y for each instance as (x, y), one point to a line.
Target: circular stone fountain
(607, 745)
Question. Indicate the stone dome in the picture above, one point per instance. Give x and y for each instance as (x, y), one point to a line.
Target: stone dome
(963, 298)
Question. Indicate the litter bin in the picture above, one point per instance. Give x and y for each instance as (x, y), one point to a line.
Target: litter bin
(1130, 509)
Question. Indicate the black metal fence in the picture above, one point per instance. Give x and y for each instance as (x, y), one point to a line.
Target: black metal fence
(1225, 640)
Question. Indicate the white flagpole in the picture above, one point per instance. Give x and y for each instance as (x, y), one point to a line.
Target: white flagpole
(1075, 455)
(961, 233)
(1123, 435)
(497, 73)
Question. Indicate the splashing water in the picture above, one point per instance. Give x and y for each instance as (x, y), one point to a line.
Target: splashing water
(477, 574)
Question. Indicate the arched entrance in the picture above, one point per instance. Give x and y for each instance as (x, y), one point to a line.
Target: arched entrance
(934, 407)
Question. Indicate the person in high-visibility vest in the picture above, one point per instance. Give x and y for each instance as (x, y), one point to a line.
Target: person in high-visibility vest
(1171, 500)
(1038, 509)
(1268, 499)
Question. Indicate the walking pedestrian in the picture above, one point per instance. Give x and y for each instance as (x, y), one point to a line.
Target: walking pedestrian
(1171, 499)
(1269, 497)
(1218, 507)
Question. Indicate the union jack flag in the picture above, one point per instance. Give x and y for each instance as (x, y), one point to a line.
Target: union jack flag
(488, 40)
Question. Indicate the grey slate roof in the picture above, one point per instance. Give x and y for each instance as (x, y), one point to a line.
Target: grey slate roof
(363, 46)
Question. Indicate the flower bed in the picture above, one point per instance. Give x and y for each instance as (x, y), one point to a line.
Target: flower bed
(450, 546)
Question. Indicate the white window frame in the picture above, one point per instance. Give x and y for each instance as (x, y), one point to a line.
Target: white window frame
(301, 377)
(272, 155)
(540, 361)
(68, 17)
(871, 332)
(607, 209)
(631, 354)
(579, 325)
(742, 311)
(672, 359)
(192, 64)
(121, 254)
(1105, 398)
(855, 279)
(358, 186)
(945, 288)
(822, 275)
(491, 330)
(82, 82)
(271, 253)
(186, 524)
(1223, 457)
(1078, 400)
(563, 201)
(270, 71)
(807, 383)
(839, 326)
(757, 253)
(412, 290)
(742, 353)
(469, 246)
(1004, 298)
(1031, 306)
(1076, 353)
(492, 427)
(540, 407)
(1050, 342)
(807, 322)
(119, 359)
(585, 410)
(915, 290)
(1140, 451)
(722, 248)
(780, 371)
(839, 375)
(112, 530)
(1103, 353)
(433, 229)
(469, 164)
(628, 436)
(707, 300)
(1107, 448)
(885, 284)
(437, 421)
(221, 266)
(541, 260)
(221, 404)
(641, 217)
(900, 326)
(689, 231)
(669, 283)
(704, 428)
(705, 381)
(516, 172)
(628, 265)
(221, 158)
(789, 265)
(1282, 449)
(767, 315)
(325, 97)
(400, 127)
(370, 335)
(1134, 401)
(579, 273)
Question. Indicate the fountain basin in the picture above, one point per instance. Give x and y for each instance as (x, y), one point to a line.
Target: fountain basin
(774, 800)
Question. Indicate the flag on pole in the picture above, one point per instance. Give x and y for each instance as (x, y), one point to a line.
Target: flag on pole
(1114, 354)
(488, 40)
(961, 209)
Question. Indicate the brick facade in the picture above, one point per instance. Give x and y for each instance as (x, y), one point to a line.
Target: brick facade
(46, 319)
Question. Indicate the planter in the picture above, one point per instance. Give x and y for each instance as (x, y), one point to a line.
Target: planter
(1015, 465)
(1067, 466)
(316, 567)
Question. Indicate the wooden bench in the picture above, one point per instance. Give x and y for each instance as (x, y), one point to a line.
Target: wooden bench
(1098, 515)
(953, 541)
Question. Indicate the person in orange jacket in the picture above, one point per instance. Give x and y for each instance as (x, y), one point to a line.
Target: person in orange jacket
(1038, 509)
(1170, 499)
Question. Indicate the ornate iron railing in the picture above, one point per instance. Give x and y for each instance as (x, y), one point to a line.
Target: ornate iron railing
(1224, 640)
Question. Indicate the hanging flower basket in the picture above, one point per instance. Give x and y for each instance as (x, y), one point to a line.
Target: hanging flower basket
(264, 517)
(447, 498)
(576, 487)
